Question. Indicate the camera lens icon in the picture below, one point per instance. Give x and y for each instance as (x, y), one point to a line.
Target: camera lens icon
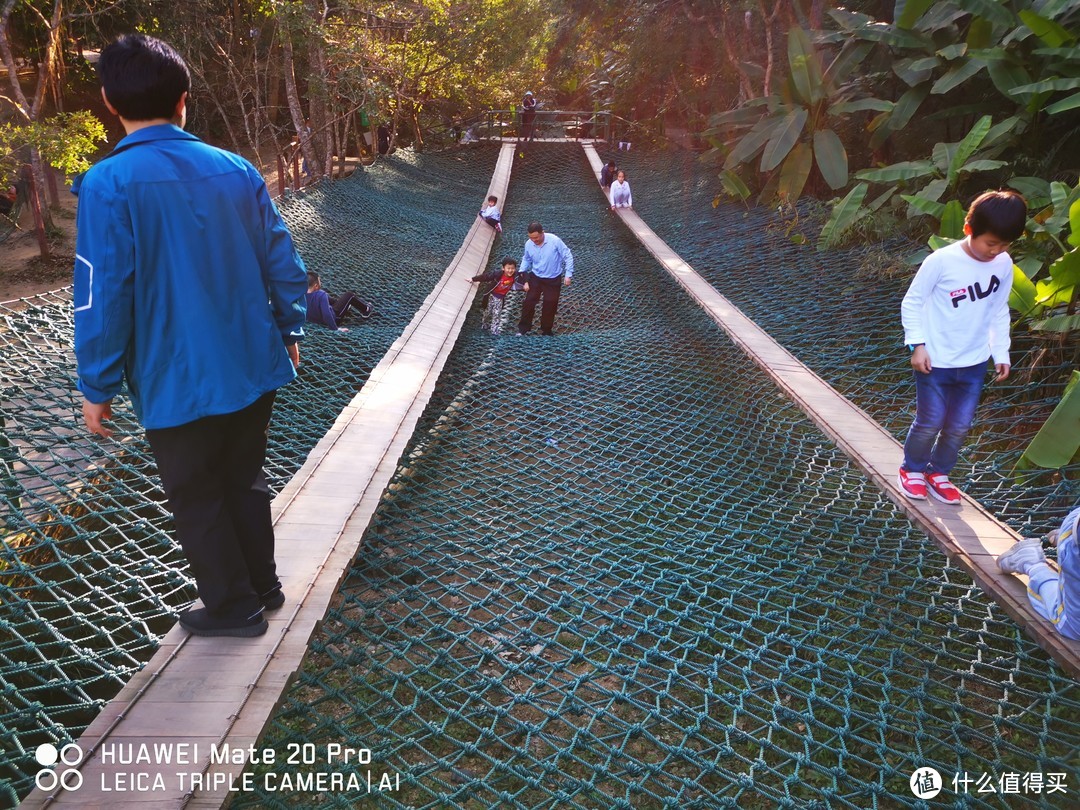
(48, 778)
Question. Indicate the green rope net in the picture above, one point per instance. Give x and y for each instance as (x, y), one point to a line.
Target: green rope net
(90, 576)
(619, 569)
(615, 569)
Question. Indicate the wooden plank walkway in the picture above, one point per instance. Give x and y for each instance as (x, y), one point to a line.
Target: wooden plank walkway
(969, 535)
(201, 692)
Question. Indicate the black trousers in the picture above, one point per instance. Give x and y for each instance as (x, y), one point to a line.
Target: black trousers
(346, 301)
(549, 289)
(212, 473)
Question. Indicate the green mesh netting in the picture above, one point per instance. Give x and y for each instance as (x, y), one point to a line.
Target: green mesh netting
(620, 570)
(90, 577)
(617, 569)
(843, 321)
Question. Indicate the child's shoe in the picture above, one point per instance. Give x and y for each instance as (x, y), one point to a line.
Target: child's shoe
(498, 227)
(943, 489)
(913, 484)
(1020, 558)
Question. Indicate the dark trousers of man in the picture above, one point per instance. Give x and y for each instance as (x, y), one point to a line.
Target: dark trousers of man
(349, 300)
(212, 473)
(549, 288)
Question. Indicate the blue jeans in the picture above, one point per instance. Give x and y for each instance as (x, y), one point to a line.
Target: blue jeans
(945, 403)
(1055, 596)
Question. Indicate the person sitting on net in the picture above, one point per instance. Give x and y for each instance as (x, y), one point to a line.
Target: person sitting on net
(327, 310)
(1055, 595)
(490, 213)
(619, 195)
(607, 176)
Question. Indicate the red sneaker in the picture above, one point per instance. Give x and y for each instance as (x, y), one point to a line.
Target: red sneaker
(943, 489)
(913, 484)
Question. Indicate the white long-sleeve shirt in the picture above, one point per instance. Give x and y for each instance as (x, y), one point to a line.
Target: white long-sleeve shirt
(959, 307)
(620, 195)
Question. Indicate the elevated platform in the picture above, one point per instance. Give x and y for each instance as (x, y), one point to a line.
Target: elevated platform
(201, 694)
(969, 535)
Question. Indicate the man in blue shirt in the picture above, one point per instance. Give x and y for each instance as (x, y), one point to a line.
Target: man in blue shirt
(187, 286)
(548, 265)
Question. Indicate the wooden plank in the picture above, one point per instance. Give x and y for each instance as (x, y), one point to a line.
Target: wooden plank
(226, 690)
(969, 535)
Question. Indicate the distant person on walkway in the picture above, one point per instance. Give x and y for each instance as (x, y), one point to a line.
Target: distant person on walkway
(330, 310)
(187, 286)
(499, 284)
(620, 193)
(607, 176)
(490, 213)
(956, 316)
(547, 266)
(1055, 596)
(528, 116)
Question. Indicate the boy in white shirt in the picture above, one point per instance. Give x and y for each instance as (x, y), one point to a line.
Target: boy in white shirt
(490, 213)
(956, 316)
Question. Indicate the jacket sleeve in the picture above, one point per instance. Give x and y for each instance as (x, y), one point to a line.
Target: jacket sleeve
(629, 196)
(324, 313)
(104, 293)
(283, 271)
(913, 306)
(1000, 323)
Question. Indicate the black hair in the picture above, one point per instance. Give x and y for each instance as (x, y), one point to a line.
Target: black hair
(611, 163)
(508, 260)
(143, 77)
(313, 278)
(492, 198)
(535, 227)
(1002, 213)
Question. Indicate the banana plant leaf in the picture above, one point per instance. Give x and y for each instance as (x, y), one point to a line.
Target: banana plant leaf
(991, 10)
(905, 170)
(1050, 32)
(843, 216)
(967, 147)
(1074, 224)
(952, 220)
(1070, 103)
(805, 69)
(912, 10)
(1022, 298)
(1057, 441)
(751, 142)
(957, 75)
(795, 171)
(1057, 323)
(831, 157)
(921, 205)
(785, 134)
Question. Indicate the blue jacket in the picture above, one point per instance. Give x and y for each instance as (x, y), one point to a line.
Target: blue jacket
(319, 310)
(187, 282)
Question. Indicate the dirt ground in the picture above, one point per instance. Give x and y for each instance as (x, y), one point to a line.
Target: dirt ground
(23, 272)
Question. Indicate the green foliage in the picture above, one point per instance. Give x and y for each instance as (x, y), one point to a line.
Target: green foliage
(1058, 440)
(795, 130)
(65, 141)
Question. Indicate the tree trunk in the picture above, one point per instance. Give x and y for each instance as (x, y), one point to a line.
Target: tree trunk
(293, 97)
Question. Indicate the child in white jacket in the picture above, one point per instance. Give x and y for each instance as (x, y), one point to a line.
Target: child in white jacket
(619, 196)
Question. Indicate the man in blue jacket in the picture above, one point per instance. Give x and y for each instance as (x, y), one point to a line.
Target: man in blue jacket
(187, 285)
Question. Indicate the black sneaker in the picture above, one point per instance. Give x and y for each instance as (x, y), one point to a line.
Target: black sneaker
(201, 623)
(272, 599)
